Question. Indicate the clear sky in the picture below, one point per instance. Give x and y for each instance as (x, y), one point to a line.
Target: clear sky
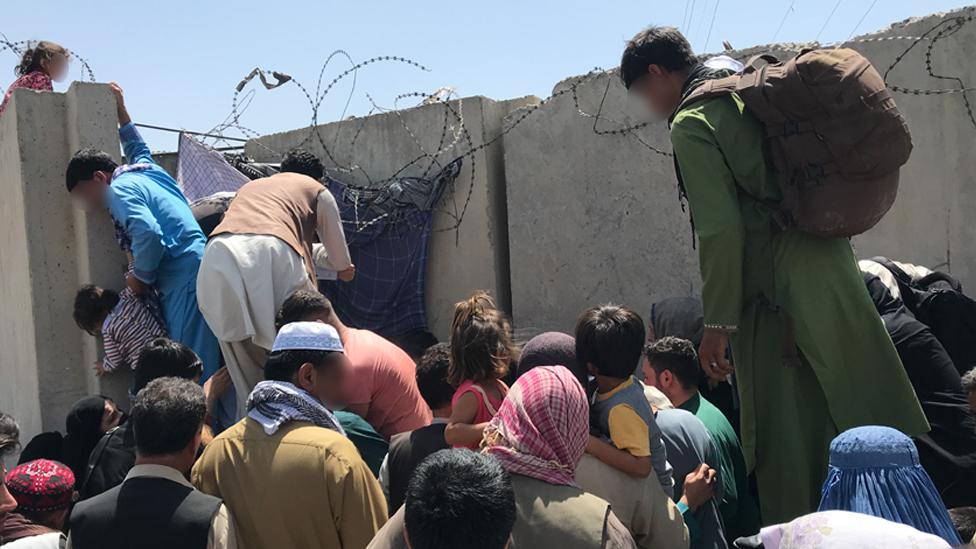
(180, 61)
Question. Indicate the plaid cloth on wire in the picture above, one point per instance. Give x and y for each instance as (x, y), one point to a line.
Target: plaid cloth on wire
(388, 232)
(542, 427)
(202, 171)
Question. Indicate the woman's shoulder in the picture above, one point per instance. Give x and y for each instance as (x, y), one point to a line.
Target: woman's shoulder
(36, 80)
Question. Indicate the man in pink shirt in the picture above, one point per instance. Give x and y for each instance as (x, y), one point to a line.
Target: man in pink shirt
(383, 378)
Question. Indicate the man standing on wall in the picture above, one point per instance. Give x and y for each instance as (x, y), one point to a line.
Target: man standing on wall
(167, 243)
(760, 284)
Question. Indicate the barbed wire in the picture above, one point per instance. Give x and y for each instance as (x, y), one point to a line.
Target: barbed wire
(454, 140)
(20, 46)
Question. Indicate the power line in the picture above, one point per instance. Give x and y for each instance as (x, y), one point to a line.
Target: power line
(829, 17)
(691, 17)
(712, 24)
(789, 10)
(684, 18)
(863, 17)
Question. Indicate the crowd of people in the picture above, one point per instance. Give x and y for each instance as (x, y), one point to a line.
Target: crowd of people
(799, 403)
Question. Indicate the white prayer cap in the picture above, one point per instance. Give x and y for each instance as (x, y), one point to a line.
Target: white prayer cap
(724, 62)
(307, 336)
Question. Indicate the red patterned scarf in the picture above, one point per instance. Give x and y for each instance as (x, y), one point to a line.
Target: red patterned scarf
(541, 429)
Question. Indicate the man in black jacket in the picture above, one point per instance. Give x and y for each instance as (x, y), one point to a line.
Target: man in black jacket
(155, 506)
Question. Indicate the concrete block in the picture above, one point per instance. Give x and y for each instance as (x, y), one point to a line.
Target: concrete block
(387, 145)
(592, 218)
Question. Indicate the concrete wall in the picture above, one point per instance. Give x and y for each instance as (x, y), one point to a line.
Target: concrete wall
(48, 250)
(594, 218)
(471, 258)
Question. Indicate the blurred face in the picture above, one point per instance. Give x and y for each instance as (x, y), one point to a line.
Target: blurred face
(326, 384)
(664, 381)
(56, 67)
(89, 195)
(659, 90)
(111, 416)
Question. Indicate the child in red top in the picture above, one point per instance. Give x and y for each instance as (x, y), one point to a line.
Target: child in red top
(38, 68)
(481, 350)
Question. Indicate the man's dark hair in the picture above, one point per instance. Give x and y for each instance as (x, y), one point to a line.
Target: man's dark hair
(664, 46)
(432, 376)
(301, 306)
(92, 305)
(84, 164)
(282, 365)
(9, 435)
(964, 519)
(677, 356)
(459, 498)
(163, 357)
(167, 414)
(303, 162)
(610, 337)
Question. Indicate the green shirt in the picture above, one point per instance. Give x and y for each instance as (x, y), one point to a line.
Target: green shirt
(371, 445)
(739, 511)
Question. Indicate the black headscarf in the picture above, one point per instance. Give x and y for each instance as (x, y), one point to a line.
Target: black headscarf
(679, 317)
(48, 445)
(84, 430)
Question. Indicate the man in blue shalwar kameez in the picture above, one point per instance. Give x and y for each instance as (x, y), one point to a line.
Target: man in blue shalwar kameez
(166, 241)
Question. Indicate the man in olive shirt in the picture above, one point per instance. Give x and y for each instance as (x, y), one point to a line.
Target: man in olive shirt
(287, 471)
(671, 364)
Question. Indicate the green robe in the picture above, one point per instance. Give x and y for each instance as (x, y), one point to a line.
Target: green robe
(849, 373)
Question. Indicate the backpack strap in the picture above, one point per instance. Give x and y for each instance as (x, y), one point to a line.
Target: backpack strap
(905, 284)
(753, 62)
(484, 396)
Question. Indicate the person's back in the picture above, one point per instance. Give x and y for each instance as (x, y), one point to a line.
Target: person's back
(283, 206)
(551, 515)
(293, 489)
(383, 377)
(690, 445)
(641, 505)
(153, 512)
(371, 445)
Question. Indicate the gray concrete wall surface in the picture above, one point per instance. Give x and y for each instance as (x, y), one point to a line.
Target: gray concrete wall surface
(595, 218)
(49, 250)
(473, 257)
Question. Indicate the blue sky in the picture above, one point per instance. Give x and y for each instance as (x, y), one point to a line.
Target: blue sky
(180, 61)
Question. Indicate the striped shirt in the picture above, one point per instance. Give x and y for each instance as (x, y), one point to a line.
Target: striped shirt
(130, 326)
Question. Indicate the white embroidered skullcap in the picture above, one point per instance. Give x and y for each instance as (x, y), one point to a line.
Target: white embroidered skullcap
(307, 336)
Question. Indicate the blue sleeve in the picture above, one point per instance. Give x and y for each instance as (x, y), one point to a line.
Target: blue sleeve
(133, 146)
(129, 206)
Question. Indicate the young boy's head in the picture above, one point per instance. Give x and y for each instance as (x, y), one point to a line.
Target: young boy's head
(304, 306)
(459, 498)
(163, 357)
(609, 340)
(432, 379)
(92, 305)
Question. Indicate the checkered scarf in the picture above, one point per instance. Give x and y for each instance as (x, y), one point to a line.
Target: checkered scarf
(541, 429)
(126, 168)
(274, 403)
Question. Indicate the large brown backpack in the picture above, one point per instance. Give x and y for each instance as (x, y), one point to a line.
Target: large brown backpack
(833, 134)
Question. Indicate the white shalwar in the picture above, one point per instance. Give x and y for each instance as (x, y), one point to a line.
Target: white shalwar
(245, 278)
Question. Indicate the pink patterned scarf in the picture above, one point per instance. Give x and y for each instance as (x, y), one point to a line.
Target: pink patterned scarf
(542, 427)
